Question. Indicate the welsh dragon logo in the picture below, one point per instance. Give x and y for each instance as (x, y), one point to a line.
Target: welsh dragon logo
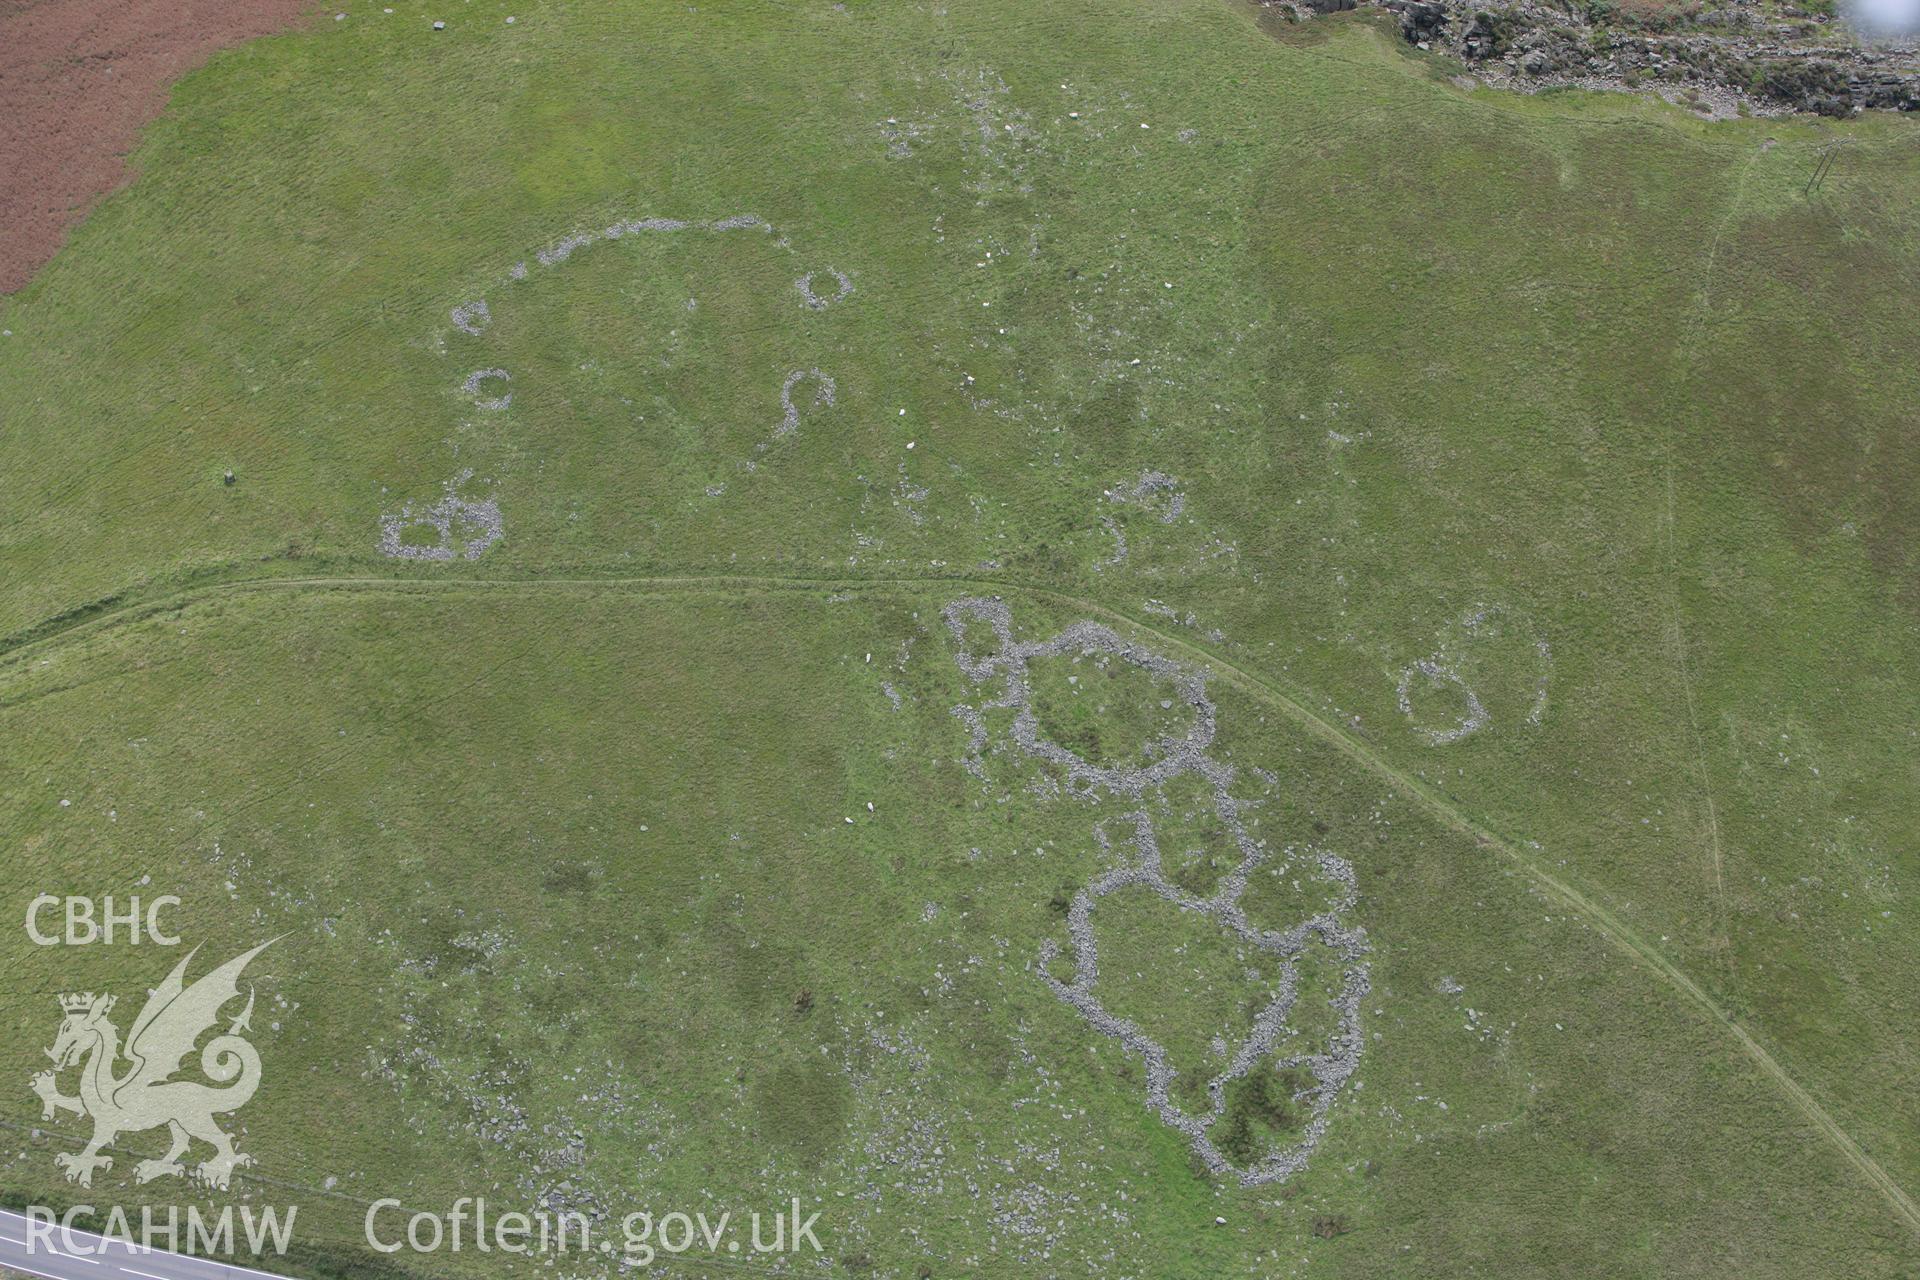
(143, 1095)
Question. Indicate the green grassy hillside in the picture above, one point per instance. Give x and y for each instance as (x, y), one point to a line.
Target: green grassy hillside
(1539, 505)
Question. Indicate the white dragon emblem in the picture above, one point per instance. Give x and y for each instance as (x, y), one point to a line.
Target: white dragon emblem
(143, 1096)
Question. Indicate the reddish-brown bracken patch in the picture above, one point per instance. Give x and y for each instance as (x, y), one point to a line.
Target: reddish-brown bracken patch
(78, 78)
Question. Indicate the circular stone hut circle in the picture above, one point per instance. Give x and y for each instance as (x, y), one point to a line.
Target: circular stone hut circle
(490, 403)
(812, 300)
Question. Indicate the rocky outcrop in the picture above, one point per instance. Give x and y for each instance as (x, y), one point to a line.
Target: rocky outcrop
(1733, 58)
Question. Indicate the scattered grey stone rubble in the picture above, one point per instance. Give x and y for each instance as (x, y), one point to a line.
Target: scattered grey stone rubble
(814, 301)
(1142, 491)
(548, 1148)
(634, 226)
(1471, 723)
(463, 528)
(472, 317)
(567, 245)
(908, 496)
(901, 136)
(789, 412)
(1538, 711)
(976, 739)
(1119, 556)
(490, 403)
(1172, 757)
(562, 251)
